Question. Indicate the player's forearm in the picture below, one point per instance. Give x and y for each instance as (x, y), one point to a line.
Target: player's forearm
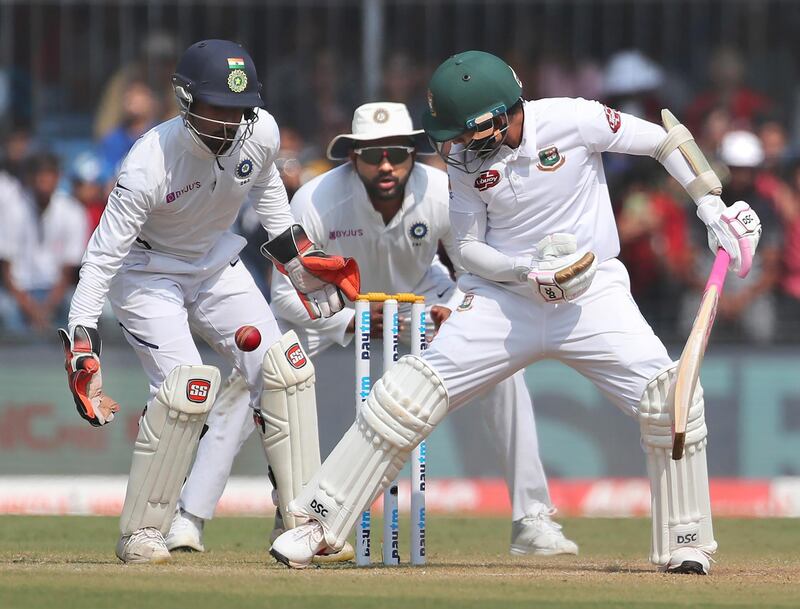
(272, 205)
(482, 259)
(477, 256)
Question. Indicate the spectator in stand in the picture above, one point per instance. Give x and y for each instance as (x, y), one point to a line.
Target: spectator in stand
(729, 91)
(90, 187)
(17, 149)
(632, 84)
(747, 308)
(154, 66)
(139, 114)
(789, 293)
(42, 239)
(652, 226)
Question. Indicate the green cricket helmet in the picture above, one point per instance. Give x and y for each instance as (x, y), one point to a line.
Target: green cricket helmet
(468, 92)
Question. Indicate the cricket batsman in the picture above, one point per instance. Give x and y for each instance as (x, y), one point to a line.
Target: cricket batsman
(388, 212)
(531, 213)
(166, 258)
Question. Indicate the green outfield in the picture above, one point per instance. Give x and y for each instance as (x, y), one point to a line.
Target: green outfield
(68, 562)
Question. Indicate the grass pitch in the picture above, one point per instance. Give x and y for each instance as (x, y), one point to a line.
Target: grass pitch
(69, 562)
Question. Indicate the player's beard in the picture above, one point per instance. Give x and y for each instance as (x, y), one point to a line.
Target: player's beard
(375, 191)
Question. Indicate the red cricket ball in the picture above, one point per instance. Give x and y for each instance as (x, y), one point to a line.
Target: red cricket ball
(247, 338)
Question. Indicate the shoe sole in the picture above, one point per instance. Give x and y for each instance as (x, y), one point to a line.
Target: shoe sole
(689, 567)
(341, 556)
(147, 561)
(519, 551)
(285, 561)
(186, 548)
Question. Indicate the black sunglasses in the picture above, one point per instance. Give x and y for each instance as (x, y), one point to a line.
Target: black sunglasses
(394, 154)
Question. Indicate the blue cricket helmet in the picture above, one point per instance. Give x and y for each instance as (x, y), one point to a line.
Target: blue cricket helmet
(217, 72)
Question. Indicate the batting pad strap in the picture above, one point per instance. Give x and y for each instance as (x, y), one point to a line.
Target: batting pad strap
(168, 434)
(681, 509)
(289, 413)
(366, 460)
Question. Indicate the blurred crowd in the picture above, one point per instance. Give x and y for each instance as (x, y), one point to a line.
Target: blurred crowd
(51, 205)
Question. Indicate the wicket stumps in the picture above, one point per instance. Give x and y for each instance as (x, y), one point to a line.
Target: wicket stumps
(362, 339)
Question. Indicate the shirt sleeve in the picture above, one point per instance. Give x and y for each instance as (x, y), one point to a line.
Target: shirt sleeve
(268, 195)
(468, 218)
(128, 207)
(604, 129)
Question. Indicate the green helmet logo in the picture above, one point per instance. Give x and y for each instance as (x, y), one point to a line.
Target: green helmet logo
(464, 89)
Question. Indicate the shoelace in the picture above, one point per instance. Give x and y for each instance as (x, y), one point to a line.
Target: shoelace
(315, 533)
(148, 533)
(543, 516)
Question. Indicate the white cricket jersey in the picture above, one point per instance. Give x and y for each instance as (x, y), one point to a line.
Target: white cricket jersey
(173, 206)
(553, 182)
(336, 212)
(38, 246)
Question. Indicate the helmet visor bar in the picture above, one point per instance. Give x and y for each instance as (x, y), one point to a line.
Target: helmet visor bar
(233, 134)
(488, 135)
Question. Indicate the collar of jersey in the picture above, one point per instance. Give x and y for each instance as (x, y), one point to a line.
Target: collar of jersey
(527, 147)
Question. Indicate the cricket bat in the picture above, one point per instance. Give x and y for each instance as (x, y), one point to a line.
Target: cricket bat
(693, 352)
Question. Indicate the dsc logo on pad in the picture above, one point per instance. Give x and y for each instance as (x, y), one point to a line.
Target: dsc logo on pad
(197, 390)
(295, 356)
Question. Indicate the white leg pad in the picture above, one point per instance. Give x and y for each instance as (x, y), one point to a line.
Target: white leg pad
(401, 410)
(168, 434)
(681, 508)
(289, 415)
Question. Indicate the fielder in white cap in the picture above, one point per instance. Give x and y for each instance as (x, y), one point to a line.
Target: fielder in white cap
(389, 213)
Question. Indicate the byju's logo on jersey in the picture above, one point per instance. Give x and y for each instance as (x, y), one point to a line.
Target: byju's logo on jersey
(244, 169)
(418, 232)
(550, 159)
(197, 390)
(335, 234)
(295, 356)
(177, 194)
(487, 179)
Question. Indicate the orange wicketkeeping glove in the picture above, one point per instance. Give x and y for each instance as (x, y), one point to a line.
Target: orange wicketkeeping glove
(318, 278)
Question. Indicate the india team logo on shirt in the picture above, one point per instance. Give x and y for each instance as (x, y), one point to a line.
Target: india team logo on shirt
(244, 168)
(418, 231)
(550, 159)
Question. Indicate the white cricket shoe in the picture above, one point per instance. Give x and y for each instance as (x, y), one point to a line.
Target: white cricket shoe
(186, 532)
(143, 546)
(297, 547)
(325, 556)
(691, 561)
(538, 534)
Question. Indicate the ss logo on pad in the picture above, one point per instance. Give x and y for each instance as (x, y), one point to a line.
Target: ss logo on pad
(197, 390)
(295, 356)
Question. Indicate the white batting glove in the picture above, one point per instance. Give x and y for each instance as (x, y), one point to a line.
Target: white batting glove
(736, 229)
(558, 273)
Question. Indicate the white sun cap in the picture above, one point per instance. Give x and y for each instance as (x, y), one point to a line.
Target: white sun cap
(378, 120)
(741, 149)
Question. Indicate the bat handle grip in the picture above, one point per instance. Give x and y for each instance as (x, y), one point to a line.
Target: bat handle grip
(719, 270)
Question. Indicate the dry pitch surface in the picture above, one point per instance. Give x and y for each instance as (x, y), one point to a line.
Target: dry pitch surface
(68, 562)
